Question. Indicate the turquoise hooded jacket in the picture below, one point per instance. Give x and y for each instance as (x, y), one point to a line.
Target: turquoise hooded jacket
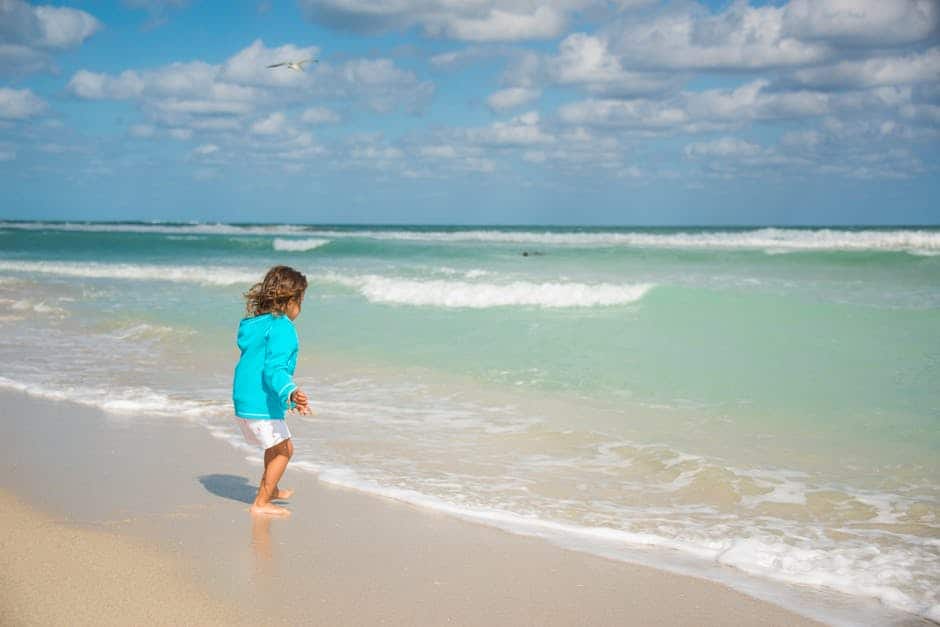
(264, 375)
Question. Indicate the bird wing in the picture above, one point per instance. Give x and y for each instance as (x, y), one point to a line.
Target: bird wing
(308, 61)
(277, 65)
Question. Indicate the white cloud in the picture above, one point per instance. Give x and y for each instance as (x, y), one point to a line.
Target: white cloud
(638, 113)
(928, 113)
(742, 37)
(724, 147)
(205, 97)
(690, 37)
(439, 151)
(458, 58)
(377, 153)
(441, 159)
(250, 65)
(923, 67)
(63, 27)
(205, 150)
(511, 97)
(862, 22)
(694, 112)
(586, 60)
(273, 124)
(498, 25)
(478, 20)
(522, 130)
(383, 85)
(18, 104)
(30, 34)
(94, 86)
(802, 139)
(753, 101)
(320, 115)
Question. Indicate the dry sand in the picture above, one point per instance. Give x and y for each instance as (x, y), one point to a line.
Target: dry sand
(59, 574)
(149, 521)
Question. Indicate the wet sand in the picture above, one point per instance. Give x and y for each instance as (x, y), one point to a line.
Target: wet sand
(126, 512)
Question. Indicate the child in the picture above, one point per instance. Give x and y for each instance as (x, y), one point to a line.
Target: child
(263, 387)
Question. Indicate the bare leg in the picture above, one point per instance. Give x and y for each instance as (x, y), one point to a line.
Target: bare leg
(279, 492)
(275, 462)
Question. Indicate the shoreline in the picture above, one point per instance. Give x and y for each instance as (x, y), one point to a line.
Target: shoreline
(342, 557)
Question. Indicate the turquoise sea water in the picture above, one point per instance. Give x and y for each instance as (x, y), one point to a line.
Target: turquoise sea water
(762, 399)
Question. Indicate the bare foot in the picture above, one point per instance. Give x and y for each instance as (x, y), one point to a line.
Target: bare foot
(269, 509)
(283, 494)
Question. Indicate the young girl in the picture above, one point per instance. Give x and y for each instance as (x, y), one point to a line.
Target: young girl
(263, 388)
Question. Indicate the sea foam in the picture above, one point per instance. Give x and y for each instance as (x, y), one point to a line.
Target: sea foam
(463, 294)
(125, 400)
(194, 228)
(149, 272)
(775, 240)
(298, 245)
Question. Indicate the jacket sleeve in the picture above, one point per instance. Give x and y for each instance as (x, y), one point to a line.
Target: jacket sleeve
(281, 344)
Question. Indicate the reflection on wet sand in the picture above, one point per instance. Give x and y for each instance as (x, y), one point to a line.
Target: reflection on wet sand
(261, 540)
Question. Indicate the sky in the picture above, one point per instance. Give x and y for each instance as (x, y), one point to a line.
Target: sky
(594, 112)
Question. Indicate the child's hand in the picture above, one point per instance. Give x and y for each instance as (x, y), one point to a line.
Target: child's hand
(301, 401)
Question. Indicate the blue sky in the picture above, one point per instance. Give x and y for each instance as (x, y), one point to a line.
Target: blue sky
(472, 112)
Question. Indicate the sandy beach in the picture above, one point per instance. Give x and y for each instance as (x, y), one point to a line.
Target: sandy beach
(147, 520)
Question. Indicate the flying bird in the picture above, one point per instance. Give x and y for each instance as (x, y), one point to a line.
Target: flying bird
(295, 65)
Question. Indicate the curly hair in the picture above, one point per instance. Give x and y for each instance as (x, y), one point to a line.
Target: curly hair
(278, 287)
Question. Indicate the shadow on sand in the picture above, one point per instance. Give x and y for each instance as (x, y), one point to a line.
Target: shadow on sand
(230, 487)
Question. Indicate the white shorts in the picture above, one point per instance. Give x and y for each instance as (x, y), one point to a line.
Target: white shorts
(264, 433)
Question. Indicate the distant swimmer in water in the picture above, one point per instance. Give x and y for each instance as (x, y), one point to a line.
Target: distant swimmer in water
(534, 253)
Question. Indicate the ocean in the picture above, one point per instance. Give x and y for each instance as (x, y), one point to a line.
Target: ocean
(755, 405)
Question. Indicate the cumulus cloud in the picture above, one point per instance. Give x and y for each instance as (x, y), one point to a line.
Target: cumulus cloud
(923, 67)
(19, 104)
(695, 112)
(205, 150)
(691, 38)
(383, 85)
(753, 101)
(250, 65)
(862, 22)
(481, 20)
(637, 113)
(511, 97)
(273, 124)
(724, 147)
(522, 130)
(744, 37)
(203, 96)
(586, 60)
(29, 35)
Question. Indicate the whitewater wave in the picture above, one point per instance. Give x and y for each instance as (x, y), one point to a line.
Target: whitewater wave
(193, 228)
(298, 245)
(149, 272)
(770, 239)
(124, 401)
(25, 305)
(462, 294)
(777, 240)
(851, 570)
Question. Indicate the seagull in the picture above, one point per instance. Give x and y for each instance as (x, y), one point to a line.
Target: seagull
(295, 65)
